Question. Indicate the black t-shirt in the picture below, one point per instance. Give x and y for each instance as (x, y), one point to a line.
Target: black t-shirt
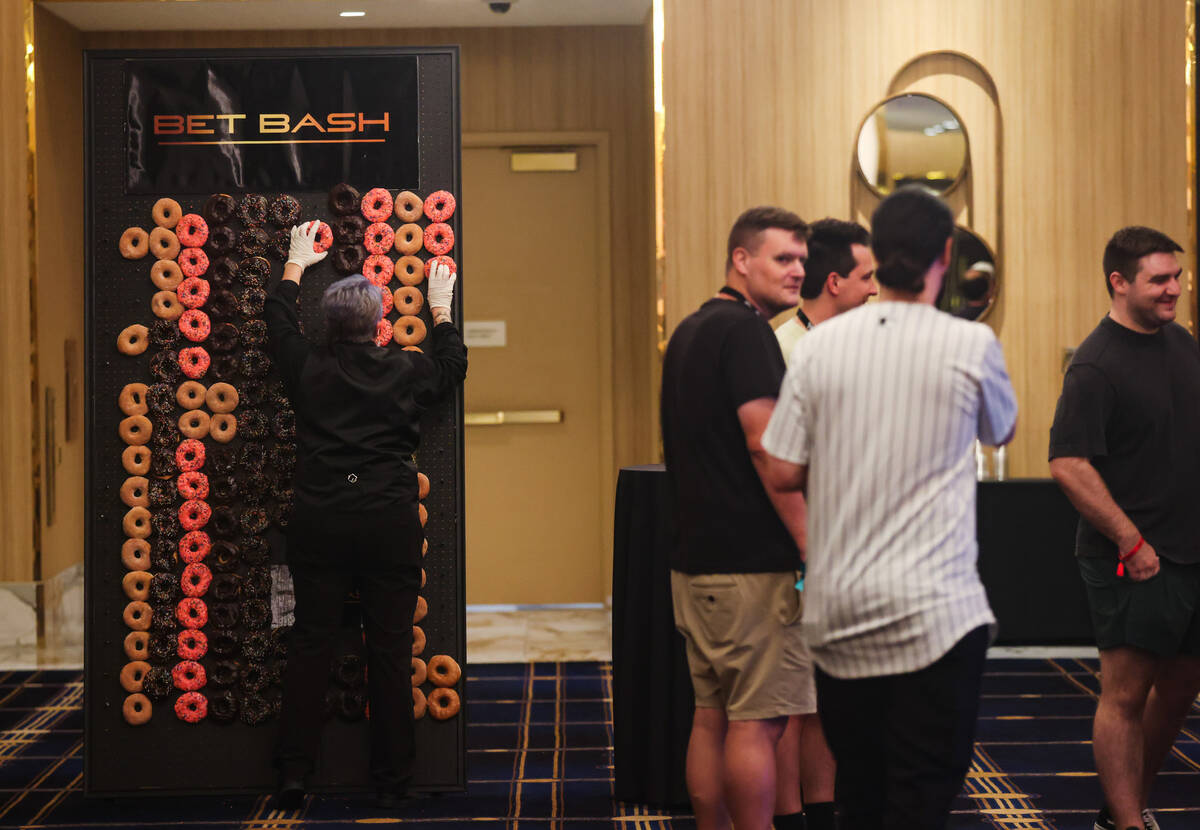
(719, 358)
(1130, 404)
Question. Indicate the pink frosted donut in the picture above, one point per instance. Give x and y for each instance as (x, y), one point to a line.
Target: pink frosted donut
(194, 546)
(193, 262)
(439, 205)
(194, 514)
(194, 361)
(195, 581)
(378, 269)
(189, 455)
(195, 325)
(192, 707)
(383, 333)
(439, 239)
(192, 292)
(192, 485)
(387, 299)
(377, 205)
(192, 231)
(324, 238)
(378, 238)
(192, 612)
(443, 259)
(192, 644)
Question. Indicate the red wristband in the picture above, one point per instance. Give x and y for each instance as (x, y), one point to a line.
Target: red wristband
(1125, 557)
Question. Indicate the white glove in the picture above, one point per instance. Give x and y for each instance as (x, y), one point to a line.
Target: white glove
(301, 250)
(441, 286)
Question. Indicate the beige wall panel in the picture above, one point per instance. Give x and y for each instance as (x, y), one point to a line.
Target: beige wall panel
(17, 516)
(60, 270)
(763, 98)
(531, 80)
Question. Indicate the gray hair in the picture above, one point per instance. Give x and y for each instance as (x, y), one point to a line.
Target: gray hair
(352, 308)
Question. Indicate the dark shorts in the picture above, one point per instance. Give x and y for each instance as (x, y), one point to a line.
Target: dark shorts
(1160, 615)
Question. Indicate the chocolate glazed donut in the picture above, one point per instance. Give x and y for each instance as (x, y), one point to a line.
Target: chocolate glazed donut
(344, 199)
(219, 209)
(221, 239)
(348, 230)
(349, 259)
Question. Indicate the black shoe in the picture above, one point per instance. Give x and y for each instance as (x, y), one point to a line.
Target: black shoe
(290, 795)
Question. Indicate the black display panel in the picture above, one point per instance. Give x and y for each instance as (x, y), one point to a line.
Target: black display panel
(296, 123)
(166, 755)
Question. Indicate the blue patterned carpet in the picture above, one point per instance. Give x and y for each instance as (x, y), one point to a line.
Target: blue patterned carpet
(539, 756)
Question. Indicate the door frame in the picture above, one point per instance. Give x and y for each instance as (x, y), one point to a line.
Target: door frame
(604, 206)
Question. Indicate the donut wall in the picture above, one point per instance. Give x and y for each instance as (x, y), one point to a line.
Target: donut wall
(190, 432)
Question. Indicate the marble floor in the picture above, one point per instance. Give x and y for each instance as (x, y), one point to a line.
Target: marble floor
(493, 636)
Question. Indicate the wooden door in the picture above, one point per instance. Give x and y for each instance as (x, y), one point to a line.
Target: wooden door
(534, 505)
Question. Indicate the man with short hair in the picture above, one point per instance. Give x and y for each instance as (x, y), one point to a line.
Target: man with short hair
(977, 289)
(839, 276)
(734, 569)
(1125, 449)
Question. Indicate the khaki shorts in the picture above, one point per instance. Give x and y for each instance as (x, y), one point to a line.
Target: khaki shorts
(744, 647)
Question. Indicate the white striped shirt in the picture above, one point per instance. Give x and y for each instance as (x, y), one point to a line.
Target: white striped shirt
(883, 404)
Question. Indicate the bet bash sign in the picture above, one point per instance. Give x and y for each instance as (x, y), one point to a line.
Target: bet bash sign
(273, 124)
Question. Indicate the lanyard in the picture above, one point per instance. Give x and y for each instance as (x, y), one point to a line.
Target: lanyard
(737, 295)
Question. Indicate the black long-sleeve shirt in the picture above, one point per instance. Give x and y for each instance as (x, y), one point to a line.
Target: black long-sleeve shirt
(358, 408)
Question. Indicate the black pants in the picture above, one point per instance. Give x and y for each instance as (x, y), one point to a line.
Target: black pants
(380, 553)
(903, 742)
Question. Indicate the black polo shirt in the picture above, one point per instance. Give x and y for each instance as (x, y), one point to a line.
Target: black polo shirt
(358, 408)
(1130, 404)
(719, 358)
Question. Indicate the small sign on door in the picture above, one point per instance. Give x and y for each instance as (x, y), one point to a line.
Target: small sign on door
(485, 334)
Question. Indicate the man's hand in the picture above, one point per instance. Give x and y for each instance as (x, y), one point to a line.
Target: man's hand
(1143, 564)
(301, 252)
(441, 291)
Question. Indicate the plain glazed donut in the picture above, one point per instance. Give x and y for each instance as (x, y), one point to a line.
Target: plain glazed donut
(165, 305)
(440, 205)
(417, 349)
(408, 300)
(223, 427)
(166, 213)
(383, 332)
(439, 239)
(377, 205)
(135, 492)
(136, 523)
(378, 269)
(419, 671)
(136, 643)
(422, 486)
(221, 398)
(132, 399)
(443, 703)
(136, 460)
(134, 243)
(164, 244)
(409, 331)
(192, 231)
(418, 641)
(192, 707)
(136, 709)
(424, 547)
(343, 199)
(409, 239)
(195, 424)
(135, 430)
(137, 615)
(421, 611)
(135, 554)
(165, 274)
(410, 270)
(408, 206)
(378, 238)
(419, 704)
(132, 674)
(136, 585)
(443, 670)
(133, 339)
(423, 514)
(190, 395)
(422, 577)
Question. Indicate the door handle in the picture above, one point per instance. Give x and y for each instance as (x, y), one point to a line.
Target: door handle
(513, 416)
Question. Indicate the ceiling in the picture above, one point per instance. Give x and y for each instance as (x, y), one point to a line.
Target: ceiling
(168, 15)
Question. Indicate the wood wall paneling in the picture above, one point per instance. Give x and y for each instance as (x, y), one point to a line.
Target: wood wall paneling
(58, 47)
(17, 516)
(763, 98)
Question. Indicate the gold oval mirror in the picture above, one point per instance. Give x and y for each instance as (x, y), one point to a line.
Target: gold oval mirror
(972, 280)
(912, 139)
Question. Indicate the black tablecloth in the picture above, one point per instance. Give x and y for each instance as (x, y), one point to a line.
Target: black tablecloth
(1026, 535)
